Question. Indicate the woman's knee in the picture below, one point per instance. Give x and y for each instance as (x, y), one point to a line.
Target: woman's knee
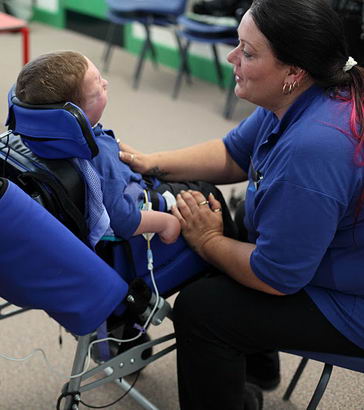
(194, 305)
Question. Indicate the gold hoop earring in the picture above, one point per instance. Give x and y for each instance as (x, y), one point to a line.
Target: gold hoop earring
(295, 85)
(287, 89)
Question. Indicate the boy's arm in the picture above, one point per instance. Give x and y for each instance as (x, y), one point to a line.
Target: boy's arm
(165, 225)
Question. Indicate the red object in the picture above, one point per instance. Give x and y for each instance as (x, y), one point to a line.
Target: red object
(14, 25)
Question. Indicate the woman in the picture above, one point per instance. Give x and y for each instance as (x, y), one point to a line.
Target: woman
(298, 283)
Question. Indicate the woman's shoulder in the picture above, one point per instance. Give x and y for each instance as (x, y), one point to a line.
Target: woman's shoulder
(326, 125)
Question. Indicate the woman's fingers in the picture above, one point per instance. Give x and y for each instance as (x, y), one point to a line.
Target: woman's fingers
(127, 157)
(191, 202)
(125, 147)
(198, 218)
(135, 159)
(185, 204)
(175, 212)
(214, 203)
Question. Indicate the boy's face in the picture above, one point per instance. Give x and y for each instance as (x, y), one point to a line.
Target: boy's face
(94, 93)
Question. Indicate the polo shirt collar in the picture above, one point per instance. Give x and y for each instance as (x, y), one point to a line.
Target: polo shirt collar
(296, 109)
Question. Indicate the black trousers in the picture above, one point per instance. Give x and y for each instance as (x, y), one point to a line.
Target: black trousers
(220, 323)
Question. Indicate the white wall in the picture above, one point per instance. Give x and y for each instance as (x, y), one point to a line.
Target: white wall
(47, 5)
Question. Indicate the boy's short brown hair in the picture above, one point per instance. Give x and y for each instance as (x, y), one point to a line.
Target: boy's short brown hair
(52, 78)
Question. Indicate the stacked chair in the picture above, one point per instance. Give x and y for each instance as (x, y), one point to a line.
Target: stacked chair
(191, 31)
(148, 13)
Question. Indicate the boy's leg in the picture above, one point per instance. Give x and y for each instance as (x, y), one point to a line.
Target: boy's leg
(218, 322)
(205, 188)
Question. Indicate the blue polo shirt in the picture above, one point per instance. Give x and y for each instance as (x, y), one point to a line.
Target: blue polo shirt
(301, 199)
(117, 182)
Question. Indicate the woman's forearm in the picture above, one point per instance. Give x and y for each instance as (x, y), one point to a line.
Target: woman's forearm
(209, 161)
(233, 258)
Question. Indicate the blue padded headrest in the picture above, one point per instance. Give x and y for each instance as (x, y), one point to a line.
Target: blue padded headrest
(52, 131)
(170, 7)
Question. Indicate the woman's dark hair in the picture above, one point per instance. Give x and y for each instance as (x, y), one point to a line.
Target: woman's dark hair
(309, 34)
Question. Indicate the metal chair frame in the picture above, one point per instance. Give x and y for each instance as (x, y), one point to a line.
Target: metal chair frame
(147, 18)
(329, 360)
(192, 31)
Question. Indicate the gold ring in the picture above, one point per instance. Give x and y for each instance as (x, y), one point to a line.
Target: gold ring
(217, 210)
(203, 203)
(132, 157)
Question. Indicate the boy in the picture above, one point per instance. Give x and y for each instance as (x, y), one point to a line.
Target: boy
(68, 76)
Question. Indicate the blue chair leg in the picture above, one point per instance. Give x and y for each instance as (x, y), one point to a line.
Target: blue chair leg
(146, 47)
(107, 52)
(220, 76)
(14, 310)
(230, 99)
(152, 48)
(321, 387)
(183, 69)
(295, 379)
(180, 51)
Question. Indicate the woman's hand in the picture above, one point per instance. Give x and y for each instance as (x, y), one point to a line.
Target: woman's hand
(200, 219)
(137, 161)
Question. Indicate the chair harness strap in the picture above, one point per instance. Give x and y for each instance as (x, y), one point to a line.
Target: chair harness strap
(73, 217)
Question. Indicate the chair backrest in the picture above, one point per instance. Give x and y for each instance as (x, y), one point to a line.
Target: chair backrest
(202, 28)
(65, 130)
(43, 136)
(162, 7)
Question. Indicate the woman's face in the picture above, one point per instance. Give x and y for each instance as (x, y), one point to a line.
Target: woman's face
(259, 75)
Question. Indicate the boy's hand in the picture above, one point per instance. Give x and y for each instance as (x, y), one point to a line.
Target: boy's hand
(171, 231)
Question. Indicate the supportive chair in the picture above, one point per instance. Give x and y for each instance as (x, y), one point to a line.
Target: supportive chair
(38, 154)
(329, 360)
(148, 13)
(211, 34)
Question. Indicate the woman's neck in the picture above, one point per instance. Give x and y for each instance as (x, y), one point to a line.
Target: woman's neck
(289, 99)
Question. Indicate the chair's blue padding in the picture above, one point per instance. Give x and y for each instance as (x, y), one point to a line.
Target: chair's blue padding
(205, 29)
(53, 133)
(59, 135)
(208, 39)
(120, 19)
(44, 266)
(173, 264)
(347, 362)
(166, 7)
